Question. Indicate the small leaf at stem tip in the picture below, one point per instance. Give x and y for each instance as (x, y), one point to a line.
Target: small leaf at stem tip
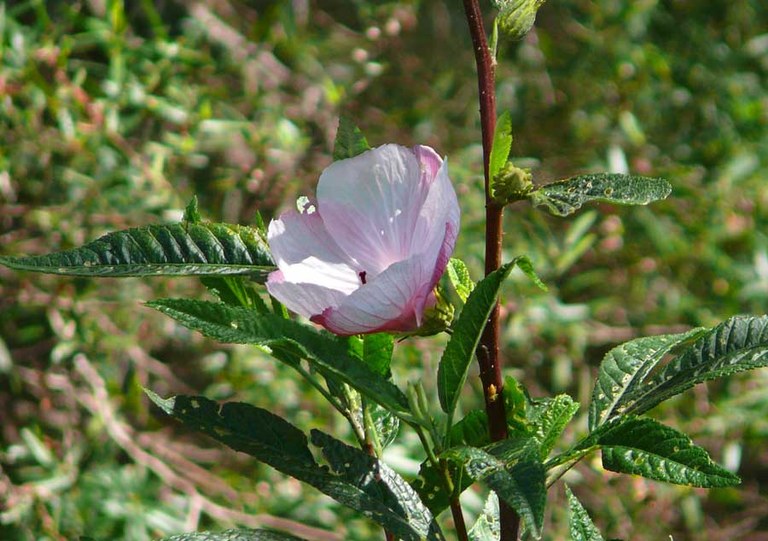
(567, 196)
(192, 213)
(502, 143)
(350, 141)
(516, 17)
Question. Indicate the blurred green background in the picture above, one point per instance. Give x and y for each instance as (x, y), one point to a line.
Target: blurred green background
(113, 114)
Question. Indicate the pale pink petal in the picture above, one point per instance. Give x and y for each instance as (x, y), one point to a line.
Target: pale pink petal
(305, 253)
(371, 203)
(438, 222)
(304, 299)
(393, 301)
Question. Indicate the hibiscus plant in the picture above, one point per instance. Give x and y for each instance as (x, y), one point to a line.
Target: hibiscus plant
(330, 287)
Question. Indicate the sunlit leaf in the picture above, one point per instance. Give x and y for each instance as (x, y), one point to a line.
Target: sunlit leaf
(502, 143)
(201, 249)
(355, 479)
(567, 196)
(458, 354)
(553, 416)
(645, 447)
(736, 345)
(624, 369)
(487, 526)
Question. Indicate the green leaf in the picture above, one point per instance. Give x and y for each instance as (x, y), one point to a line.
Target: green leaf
(553, 416)
(356, 480)
(457, 355)
(645, 447)
(520, 485)
(430, 485)
(377, 352)
(185, 248)
(502, 143)
(581, 526)
(286, 338)
(523, 263)
(245, 428)
(623, 370)
(736, 345)
(350, 141)
(487, 526)
(234, 535)
(458, 274)
(236, 291)
(472, 430)
(192, 212)
(380, 490)
(516, 17)
(567, 196)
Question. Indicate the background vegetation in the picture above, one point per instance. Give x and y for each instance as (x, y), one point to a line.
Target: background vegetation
(113, 114)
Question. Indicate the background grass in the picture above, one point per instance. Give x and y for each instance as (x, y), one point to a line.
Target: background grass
(113, 114)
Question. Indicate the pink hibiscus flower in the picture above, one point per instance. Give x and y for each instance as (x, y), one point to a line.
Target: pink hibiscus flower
(366, 256)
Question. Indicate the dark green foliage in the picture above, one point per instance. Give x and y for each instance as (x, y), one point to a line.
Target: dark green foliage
(645, 447)
(631, 379)
(354, 478)
(517, 478)
(287, 339)
(177, 249)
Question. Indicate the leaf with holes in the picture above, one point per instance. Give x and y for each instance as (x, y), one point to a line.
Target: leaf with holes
(645, 447)
(487, 526)
(201, 249)
(519, 483)
(736, 345)
(624, 369)
(377, 491)
(551, 418)
(567, 196)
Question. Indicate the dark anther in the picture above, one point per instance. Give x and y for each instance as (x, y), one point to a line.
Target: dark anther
(361, 274)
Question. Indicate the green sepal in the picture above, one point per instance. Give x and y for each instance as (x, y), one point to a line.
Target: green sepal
(516, 17)
(511, 184)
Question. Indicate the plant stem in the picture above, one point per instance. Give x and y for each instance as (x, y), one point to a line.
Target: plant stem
(488, 350)
(458, 520)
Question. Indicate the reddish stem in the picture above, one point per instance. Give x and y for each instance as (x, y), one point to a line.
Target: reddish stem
(488, 350)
